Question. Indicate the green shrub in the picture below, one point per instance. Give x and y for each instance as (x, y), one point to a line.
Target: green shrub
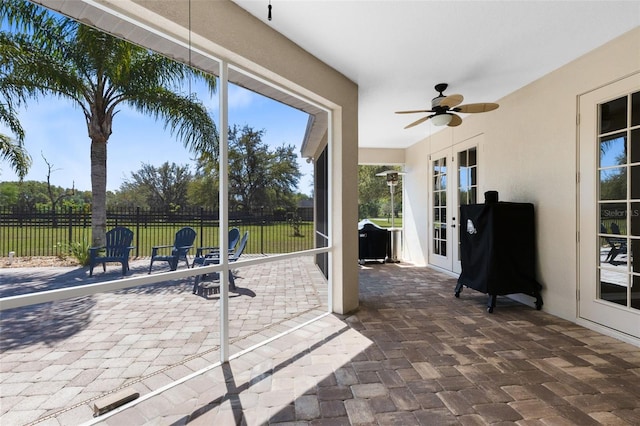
(295, 222)
(79, 250)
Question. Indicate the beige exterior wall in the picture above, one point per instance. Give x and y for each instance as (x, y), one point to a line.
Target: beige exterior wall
(529, 155)
(383, 157)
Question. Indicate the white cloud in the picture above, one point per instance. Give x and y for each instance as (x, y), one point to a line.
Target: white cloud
(240, 98)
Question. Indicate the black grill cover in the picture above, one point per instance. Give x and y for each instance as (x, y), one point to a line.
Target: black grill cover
(373, 241)
(497, 243)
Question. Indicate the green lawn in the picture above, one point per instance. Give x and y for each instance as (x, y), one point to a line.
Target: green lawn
(42, 241)
(386, 222)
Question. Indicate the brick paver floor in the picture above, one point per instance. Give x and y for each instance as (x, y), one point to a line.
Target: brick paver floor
(413, 354)
(57, 358)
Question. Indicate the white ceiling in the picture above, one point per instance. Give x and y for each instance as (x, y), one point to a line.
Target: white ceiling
(397, 50)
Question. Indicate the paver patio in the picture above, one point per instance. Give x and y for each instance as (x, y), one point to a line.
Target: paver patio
(413, 354)
(56, 358)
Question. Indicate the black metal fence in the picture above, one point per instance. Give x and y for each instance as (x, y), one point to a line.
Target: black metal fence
(49, 233)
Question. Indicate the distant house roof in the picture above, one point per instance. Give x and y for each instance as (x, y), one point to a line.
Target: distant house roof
(306, 203)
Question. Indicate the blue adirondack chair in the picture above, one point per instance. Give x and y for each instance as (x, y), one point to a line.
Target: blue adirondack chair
(618, 245)
(181, 245)
(117, 249)
(215, 259)
(202, 252)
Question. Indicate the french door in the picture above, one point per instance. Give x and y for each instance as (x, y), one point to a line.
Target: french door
(454, 177)
(609, 224)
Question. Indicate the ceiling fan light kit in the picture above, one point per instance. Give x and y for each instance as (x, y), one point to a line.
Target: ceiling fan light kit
(444, 107)
(441, 119)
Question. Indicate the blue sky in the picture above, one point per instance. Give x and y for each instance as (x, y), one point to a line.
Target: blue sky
(56, 130)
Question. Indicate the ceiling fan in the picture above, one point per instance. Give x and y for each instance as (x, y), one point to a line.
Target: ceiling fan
(444, 107)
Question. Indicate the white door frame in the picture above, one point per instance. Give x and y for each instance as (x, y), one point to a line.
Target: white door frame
(474, 142)
(440, 195)
(591, 307)
(451, 261)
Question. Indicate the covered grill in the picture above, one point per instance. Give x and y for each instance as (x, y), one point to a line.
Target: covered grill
(497, 243)
(373, 242)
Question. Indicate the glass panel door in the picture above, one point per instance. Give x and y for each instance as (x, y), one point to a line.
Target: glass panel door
(610, 206)
(467, 192)
(454, 182)
(618, 197)
(440, 235)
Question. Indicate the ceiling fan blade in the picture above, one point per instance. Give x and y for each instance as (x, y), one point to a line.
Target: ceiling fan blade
(472, 108)
(421, 120)
(455, 121)
(414, 111)
(451, 101)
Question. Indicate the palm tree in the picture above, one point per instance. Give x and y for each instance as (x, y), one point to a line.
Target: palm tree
(47, 54)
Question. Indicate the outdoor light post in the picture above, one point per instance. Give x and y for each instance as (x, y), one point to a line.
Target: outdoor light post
(392, 181)
(393, 177)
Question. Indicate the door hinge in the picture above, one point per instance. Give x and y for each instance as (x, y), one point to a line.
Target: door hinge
(578, 119)
(578, 177)
(578, 237)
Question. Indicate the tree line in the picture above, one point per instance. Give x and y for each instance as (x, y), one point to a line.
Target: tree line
(374, 196)
(260, 177)
(171, 187)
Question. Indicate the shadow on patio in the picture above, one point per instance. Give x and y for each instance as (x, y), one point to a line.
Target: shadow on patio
(57, 357)
(412, 354)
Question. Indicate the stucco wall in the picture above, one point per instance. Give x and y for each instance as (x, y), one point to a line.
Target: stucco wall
(529, 155)
(383, 157)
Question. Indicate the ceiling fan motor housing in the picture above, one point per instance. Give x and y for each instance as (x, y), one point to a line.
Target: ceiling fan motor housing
(435, 102)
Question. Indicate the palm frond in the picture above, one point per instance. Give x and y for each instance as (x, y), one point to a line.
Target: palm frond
(47, 28)
(15, 154)
(9, 117)
(28, 70)
(185, 116)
